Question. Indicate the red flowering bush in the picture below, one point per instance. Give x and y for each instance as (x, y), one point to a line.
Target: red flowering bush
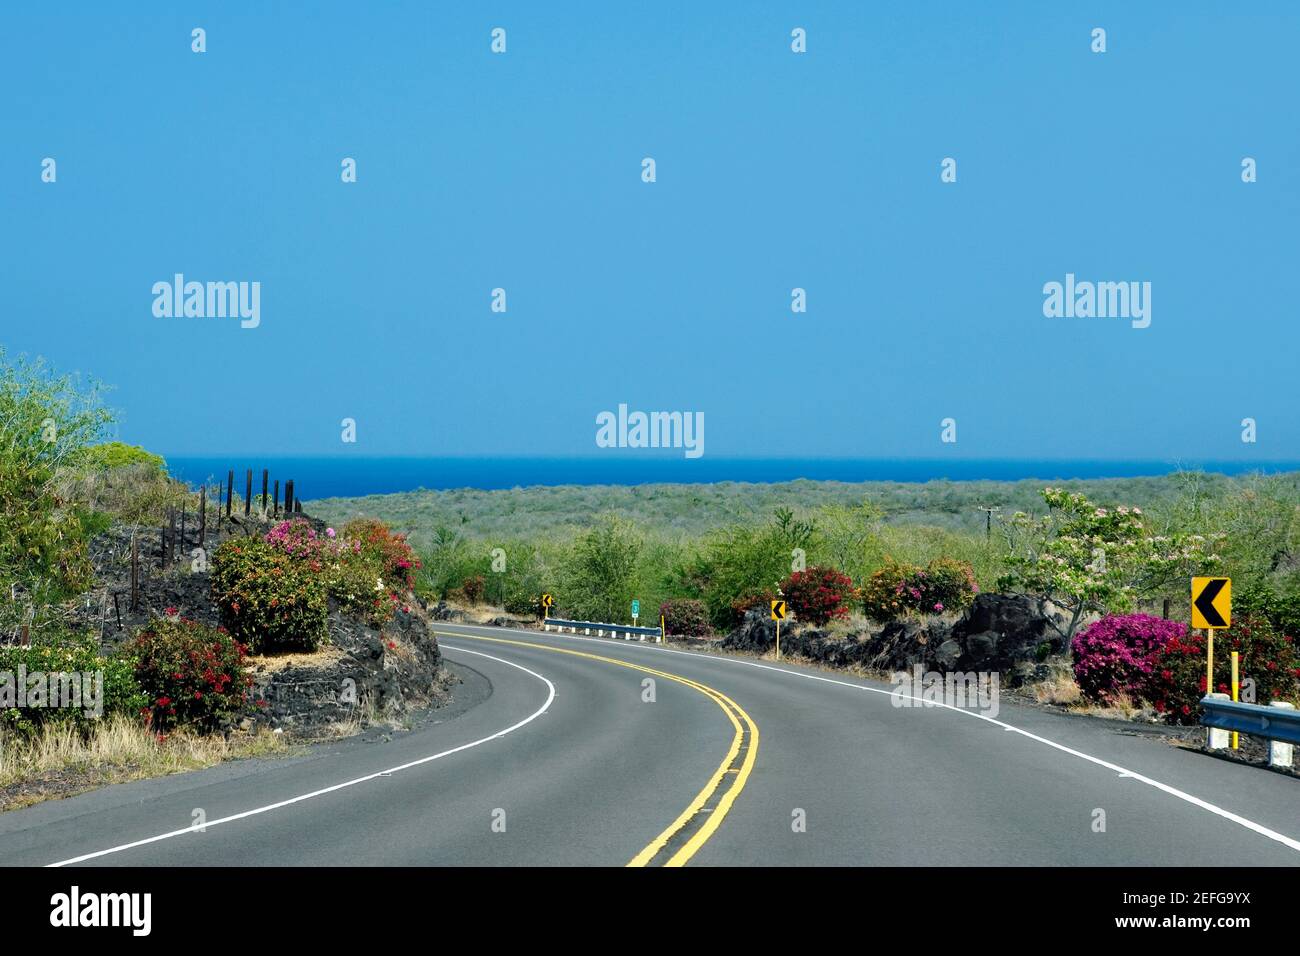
(472, 588)
(686, 617)
(1116, 655)
(1267, 657)
(268, 599)
(397, 561)
(818, 595)
(898, 589)
(193, 674)
(753, 598)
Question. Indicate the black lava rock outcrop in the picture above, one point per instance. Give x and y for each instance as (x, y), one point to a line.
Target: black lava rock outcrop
(1008, 633)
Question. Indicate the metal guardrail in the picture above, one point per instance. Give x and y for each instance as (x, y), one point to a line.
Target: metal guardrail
(588, 627)
(1274, 723)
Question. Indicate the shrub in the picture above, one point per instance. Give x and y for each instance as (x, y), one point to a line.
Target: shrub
(472, 588)
(891, 591)
(1117, 654)
(193, 674)
(116, 454)
(685, 617)
(62, 653)
(818, 594)
(1266, 657)
(523, 602)
(749, 600)
(269, 600)
(397, 563)
(351, 574)
(949, 585)
(897, 589)
(298, 537)
(1261, 600)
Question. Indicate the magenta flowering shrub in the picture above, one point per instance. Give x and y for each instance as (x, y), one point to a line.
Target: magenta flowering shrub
(298, 538)
(1117, 654)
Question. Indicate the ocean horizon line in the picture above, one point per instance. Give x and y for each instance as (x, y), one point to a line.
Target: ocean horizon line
(347, 476)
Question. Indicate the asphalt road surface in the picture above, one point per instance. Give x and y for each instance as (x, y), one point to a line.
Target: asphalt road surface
(565, 750)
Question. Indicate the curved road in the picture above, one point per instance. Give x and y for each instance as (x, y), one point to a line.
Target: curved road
(565, 750)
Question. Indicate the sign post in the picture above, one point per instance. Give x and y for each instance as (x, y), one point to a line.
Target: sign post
(1235, 687)
(547, 603)
(778, 615)
(1211, 611)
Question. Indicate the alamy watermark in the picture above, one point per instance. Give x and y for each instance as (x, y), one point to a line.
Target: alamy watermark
(965, 690)
(651, 430)
(1102, 300)
(83, 690)
(208, 300)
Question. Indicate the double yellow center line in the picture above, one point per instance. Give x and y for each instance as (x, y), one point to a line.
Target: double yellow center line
(683, 838)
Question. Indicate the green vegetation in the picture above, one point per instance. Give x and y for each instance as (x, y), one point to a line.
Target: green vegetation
(731, 546)
(67, 654)
(46, 423)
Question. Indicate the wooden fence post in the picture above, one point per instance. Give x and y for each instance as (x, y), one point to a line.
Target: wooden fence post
(230, 490)
(265, 475)
(275, 501)
(135, 572)
(288, 496)
(203, 512)
(248, 494)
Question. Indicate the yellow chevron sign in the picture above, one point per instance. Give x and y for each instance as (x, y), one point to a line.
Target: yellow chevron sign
(1211, 603)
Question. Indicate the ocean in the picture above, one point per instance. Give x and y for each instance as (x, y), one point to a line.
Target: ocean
(347, 476)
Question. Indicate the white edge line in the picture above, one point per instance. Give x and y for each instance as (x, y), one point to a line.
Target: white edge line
(1262, 830)
(550, 697)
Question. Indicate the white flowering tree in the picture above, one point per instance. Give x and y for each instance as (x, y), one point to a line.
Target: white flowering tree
(1085, 559)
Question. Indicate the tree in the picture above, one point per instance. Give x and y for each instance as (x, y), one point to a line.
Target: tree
(849, 535)
(46, 423)
(600, 575)
(1087, 559)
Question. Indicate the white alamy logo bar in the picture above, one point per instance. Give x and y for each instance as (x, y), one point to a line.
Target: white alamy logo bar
(1102, 300)
(75, 908)
(80, 690)
(208, 300)
(651, 430)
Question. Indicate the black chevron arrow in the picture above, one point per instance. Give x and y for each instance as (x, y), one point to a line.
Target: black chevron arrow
(1205, 603)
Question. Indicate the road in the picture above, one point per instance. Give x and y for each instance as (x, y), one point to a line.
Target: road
(554, 755)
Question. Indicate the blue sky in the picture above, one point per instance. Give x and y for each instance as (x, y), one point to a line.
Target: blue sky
(775, 170)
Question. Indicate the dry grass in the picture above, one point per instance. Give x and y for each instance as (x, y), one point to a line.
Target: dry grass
(323, 656)
(60, 762)
(1059, 689)
(1121, 708)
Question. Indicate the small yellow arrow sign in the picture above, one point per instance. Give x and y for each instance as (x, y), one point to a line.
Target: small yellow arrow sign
(778, 610)
(1211, 603)
(548, 601)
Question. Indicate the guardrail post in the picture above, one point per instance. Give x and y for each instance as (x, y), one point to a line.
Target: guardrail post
(1280, 754)
(1218, 738)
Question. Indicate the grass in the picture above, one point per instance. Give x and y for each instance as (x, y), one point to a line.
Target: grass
(60, 762)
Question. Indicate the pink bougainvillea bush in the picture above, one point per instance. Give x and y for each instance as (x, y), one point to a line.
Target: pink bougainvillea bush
(1117, 654)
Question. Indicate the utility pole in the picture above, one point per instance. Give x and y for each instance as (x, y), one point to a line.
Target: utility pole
(988, 520)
